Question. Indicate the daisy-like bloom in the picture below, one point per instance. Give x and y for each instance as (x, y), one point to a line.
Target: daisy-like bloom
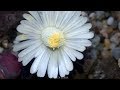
(54, 39)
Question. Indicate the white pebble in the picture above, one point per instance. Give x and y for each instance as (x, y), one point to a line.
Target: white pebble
(110, 20)
(1, 49)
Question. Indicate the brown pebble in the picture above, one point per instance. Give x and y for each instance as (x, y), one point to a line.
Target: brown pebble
(5, 43)
(106, 54)
(104, 33)
(109, 30)
(107, 43)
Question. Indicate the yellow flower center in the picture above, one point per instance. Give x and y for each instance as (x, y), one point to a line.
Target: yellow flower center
(55, 40)
(52, 37)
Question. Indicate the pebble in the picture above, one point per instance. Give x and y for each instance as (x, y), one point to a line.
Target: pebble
(119, 25)
(104, 22)
(115, 24)
(109, 30)
(113, 45)
(115, 38)
(110, 20)
(100, 14)
(94, 54)
(116, 53)
(102, 76)
(107, 43)
(104, 32)
(5, 43)
(88, 64)
(1, 49)
(119, 62)
(105, 54)
(99, 24)
(98, 74)
(96, 41)
(107, 14)
(92, 16)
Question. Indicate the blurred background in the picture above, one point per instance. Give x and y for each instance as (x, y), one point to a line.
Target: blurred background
(101, 61)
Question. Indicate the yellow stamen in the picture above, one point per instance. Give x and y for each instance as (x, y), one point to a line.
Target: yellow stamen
(55, 40)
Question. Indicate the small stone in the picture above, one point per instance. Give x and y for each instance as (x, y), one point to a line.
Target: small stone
(96, 41)
(99, 24)
(105, 54)
(113, 45)
(116, 53)
(107, 43)
(110, 20)
(100, 15)
(97, 72)
(104, 22)
(88, 64)
(109, 30)
(5, 43)
(115, 38)
(93, 22)
(107, 14)
(119, 25)
(119, 62)
(104, 32)
(92, 16)
(94, 54)
(115, 24)
(1, 49)
(102, 76)
(116, 14)
(100, 47)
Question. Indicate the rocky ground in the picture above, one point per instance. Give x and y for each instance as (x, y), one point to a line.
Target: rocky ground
(102, 59)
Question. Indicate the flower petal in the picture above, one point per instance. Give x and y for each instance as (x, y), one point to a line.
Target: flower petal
(36, 62)
(82, 20)
(80, 30)
(26, 30)
(69, 53)
(28, 57)
(88, 35)
(67, 61)
(42, 67)
(40, 50)
(83, 42)
(62, 68)
(24, 44)
(53, 66)
(29, 49)
(68, 19)
(75, 53)
(75, 46)
(22, 37)
(36, 27)
(35, 14)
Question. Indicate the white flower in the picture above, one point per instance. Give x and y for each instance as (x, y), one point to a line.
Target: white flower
(53, 39)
